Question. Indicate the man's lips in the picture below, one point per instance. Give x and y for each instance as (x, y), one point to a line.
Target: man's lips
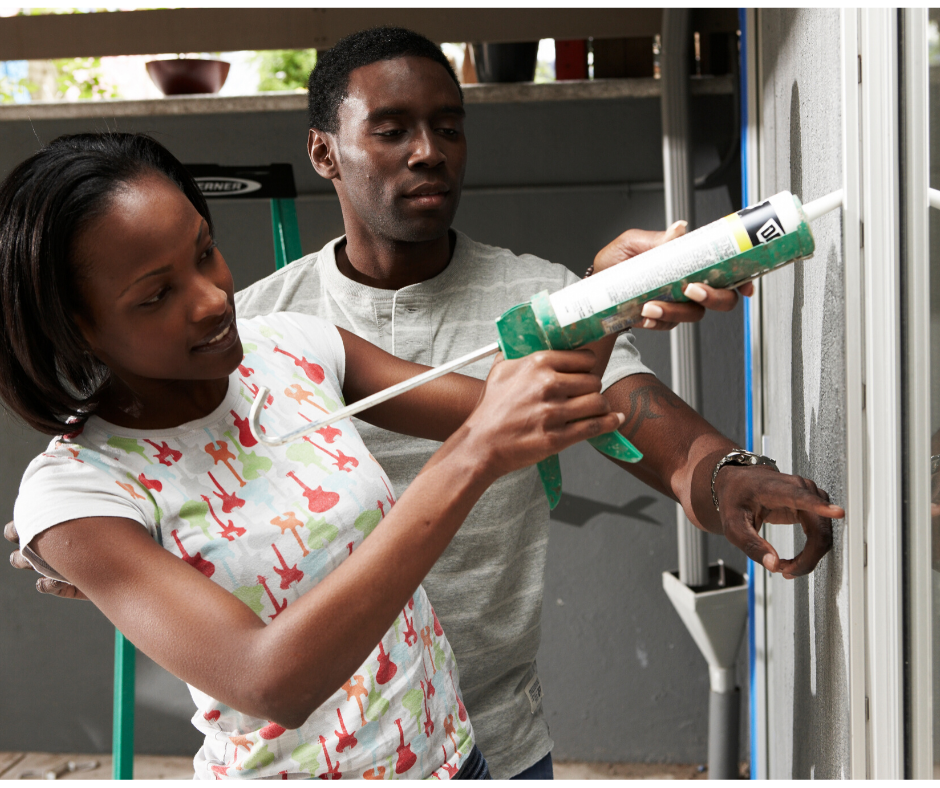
(427, 190)
(428, 195)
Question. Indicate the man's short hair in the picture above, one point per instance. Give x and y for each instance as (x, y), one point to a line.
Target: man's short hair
(329, 81)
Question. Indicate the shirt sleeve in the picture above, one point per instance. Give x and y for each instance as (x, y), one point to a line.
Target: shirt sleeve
(625, 359)
(59, 486)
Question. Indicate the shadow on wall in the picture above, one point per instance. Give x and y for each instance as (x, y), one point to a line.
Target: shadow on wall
(819, 679)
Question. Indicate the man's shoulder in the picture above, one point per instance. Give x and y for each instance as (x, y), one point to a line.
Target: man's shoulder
(496, 263)
(298, 281)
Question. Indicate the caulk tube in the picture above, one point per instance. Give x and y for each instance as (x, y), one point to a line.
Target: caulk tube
(725, 253)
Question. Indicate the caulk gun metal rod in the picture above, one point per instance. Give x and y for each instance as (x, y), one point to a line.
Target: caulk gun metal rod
(934, 197)
(363, 404)
(817, 208)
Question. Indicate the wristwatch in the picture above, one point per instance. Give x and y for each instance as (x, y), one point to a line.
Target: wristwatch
(739, 457)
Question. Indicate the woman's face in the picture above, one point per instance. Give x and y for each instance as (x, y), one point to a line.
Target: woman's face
(159, 297)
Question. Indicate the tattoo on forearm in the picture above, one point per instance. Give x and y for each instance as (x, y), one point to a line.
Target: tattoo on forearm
(647, 403)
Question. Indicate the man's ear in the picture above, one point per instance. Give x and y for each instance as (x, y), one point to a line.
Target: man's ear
(322, 154)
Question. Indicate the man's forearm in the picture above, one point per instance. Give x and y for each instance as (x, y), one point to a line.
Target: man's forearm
(680, 449)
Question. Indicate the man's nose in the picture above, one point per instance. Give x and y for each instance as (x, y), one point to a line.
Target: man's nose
(425, 151)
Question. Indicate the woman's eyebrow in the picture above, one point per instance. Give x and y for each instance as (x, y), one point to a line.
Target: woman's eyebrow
(155, 272)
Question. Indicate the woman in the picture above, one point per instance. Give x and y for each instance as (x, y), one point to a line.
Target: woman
(309, 649)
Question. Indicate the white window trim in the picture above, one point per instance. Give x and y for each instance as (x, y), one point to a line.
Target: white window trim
(880, 145)
(853, 527)
(916, 151)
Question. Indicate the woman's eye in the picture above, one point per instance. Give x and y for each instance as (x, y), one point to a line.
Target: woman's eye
(210, 250)
(156, 297)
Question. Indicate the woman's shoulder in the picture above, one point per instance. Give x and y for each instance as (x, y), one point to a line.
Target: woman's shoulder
(293, 339)
(77, 476)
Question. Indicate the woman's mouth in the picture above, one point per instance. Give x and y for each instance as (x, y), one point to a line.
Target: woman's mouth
(224, 339)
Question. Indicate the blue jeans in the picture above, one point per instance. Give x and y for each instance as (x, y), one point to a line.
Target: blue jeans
(538, 771)
(475, 767)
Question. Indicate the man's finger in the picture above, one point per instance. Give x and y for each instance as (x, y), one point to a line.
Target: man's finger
(744, 535)
(17, 561)
(10, 534)
(818, 543)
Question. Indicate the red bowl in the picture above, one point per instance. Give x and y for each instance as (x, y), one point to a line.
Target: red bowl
(183, 76)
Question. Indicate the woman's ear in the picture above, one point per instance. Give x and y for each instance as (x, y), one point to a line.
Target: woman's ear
(86, 332)
(320, 149)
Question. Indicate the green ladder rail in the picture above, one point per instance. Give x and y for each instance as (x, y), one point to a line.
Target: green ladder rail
(286, 249)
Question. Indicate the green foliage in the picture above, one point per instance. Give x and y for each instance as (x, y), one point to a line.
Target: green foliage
(285, 69)
(81, 78)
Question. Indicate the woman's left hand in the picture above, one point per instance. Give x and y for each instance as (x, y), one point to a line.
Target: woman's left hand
(663, 315)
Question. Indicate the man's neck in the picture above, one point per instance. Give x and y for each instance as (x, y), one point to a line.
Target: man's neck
(393, 265)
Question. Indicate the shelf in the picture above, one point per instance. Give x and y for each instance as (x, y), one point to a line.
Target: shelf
(517, 92)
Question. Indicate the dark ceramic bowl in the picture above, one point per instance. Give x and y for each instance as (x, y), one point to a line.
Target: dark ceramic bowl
(182, 76)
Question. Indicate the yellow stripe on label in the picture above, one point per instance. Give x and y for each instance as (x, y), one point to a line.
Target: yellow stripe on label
(739, 232)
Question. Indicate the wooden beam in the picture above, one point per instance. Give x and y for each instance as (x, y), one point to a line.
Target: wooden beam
(233, 29)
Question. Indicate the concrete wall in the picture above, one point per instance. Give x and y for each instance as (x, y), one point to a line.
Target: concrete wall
(804, 390)
(622, 679)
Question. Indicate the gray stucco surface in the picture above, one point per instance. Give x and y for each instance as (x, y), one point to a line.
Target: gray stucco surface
(804, 390)
(622, 679)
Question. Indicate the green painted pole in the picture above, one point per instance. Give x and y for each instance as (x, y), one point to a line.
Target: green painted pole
(286, 232)
(122, 744)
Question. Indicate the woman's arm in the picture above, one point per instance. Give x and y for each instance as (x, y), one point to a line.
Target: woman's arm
(434, 410)
(529, 409)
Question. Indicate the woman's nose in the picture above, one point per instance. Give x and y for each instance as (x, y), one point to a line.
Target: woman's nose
(210, 300)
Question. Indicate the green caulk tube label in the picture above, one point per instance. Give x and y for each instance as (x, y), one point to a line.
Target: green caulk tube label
(672, 262)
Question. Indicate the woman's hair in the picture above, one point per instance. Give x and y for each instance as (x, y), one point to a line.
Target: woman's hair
(47, 375)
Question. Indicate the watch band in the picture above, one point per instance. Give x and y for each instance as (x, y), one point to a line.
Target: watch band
(739, 457)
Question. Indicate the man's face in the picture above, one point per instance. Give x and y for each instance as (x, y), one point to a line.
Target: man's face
(401, 150)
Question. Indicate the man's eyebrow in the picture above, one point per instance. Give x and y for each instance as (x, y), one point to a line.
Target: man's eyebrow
(385, 112)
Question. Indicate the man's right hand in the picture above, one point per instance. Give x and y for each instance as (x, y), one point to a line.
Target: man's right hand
(44, 585)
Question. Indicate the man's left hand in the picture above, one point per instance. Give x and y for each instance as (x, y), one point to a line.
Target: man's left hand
(748, 497)
(662, 315)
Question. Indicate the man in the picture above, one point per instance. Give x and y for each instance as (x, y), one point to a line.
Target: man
(386, 127)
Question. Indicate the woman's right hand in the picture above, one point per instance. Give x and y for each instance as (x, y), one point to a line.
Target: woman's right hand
(536, 406)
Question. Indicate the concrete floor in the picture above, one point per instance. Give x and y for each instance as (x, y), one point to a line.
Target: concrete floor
(13, 765)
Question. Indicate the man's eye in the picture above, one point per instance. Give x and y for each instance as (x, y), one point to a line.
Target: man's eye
(391, 132)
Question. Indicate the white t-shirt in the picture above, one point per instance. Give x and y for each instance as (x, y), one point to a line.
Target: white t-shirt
(267, 523)
(487, 586)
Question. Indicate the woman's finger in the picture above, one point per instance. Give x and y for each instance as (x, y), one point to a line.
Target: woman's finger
(17, 561)
(586, 406)
(711, 298)
(48, 585)
(577, 431)
(10, 534)
(672, 313)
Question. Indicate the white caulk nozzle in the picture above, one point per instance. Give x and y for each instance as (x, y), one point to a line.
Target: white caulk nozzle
(934, 197)
(817, 208)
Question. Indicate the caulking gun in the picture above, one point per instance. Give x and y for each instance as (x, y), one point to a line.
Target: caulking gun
(724, 254)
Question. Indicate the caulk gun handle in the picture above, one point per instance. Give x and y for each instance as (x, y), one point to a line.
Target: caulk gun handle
(520, 335)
